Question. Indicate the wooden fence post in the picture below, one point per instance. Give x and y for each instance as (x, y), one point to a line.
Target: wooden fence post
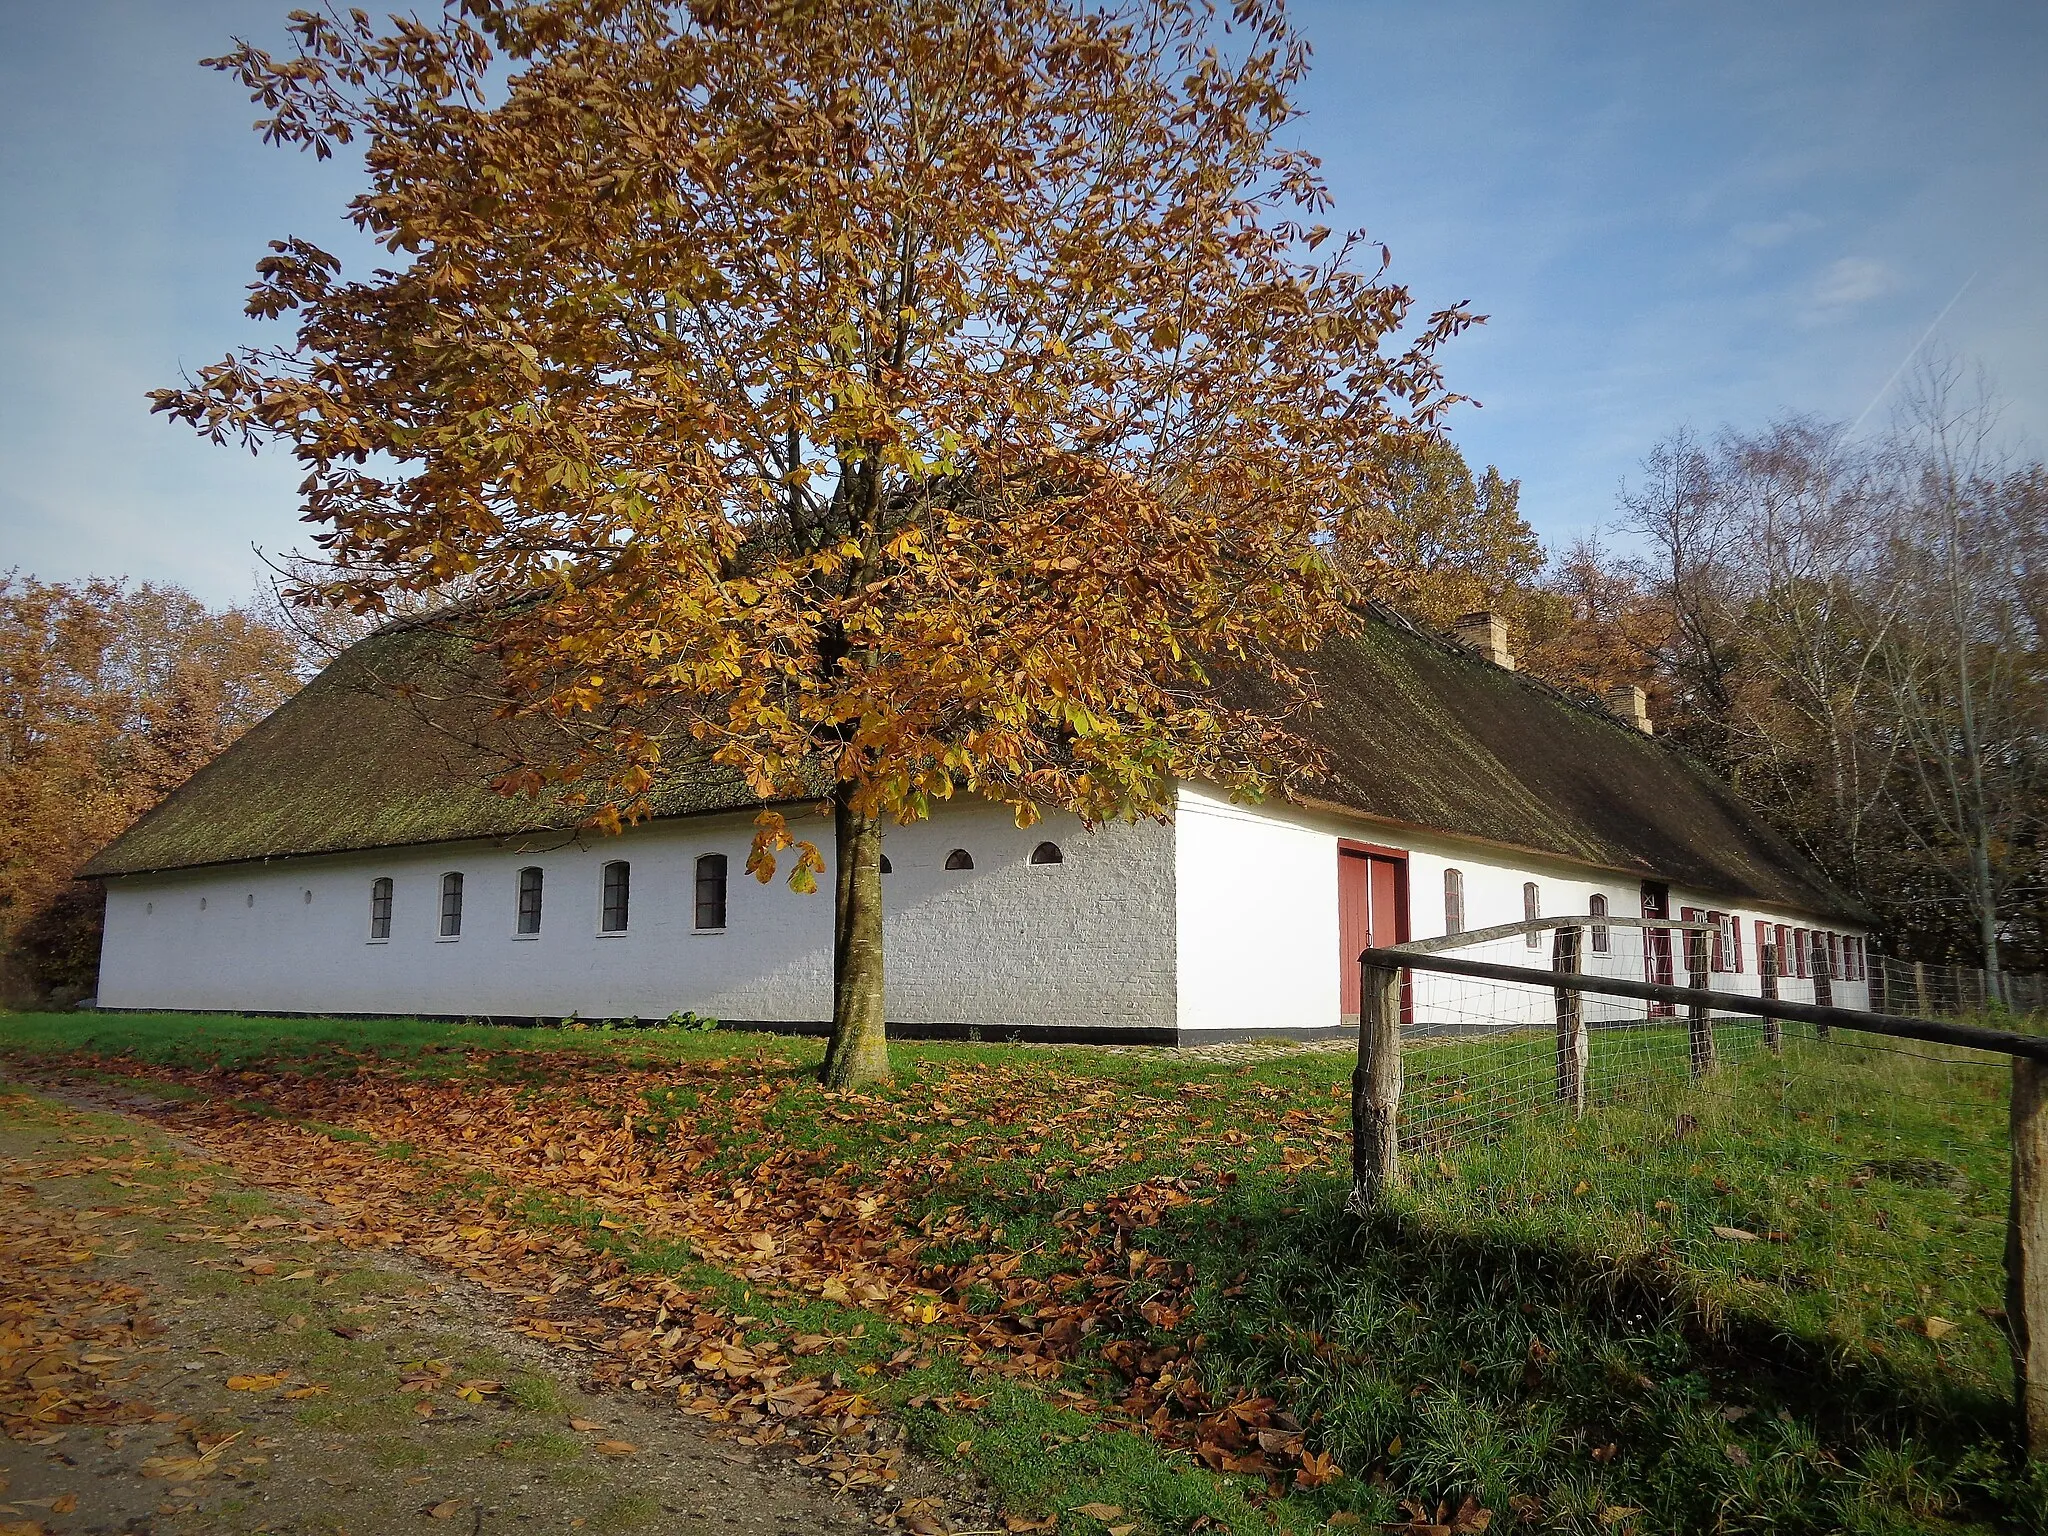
(1767, 970)
(1920, 989)
(1376, 1090)
(1573, 1050)
(1698, 1025)
(1823, 981)
(2026, 1251)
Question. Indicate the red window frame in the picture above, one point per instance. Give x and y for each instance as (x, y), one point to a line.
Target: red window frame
(1802, 940)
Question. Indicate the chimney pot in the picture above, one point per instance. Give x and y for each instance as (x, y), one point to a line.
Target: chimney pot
(1486, 633)
(1630, 702)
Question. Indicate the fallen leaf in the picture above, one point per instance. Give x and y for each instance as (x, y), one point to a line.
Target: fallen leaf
(64, 1503)
(1734, 1235)
(1102, 1512)
(254, 1383)
(447, 1509)
(1123, 1530)
(311, 1389)
(585, 1424)
(614, 1448)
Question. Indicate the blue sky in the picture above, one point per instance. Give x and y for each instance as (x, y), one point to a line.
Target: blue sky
(1673, 214)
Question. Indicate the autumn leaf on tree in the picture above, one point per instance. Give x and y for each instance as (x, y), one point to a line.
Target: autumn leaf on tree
(890, 400)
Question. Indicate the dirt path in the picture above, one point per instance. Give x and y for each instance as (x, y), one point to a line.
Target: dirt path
(178, 1354)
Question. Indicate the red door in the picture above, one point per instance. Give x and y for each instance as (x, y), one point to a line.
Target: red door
(1372, 910)
(1657, 957)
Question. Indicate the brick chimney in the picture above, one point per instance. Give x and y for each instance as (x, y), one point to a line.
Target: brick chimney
(1485, 633)
(1629, 702)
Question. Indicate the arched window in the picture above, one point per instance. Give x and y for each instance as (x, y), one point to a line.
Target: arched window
(959, 858)
(1454, 901)
(710, 910)
(529, 901)
(1046, 853)
(1532, 908)
(249, 900)
(380, 907)
(618, 891)
(451, 905)
(887, 867)
(1602, 943)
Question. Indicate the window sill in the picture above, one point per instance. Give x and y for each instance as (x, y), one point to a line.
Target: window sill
(707, 933)
(376, 941)
(447, 938)
(524, 938)
(614, 933)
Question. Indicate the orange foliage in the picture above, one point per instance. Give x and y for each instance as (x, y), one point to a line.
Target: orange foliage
(110, 697)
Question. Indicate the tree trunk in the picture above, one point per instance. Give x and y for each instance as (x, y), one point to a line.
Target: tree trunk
(859, 1049)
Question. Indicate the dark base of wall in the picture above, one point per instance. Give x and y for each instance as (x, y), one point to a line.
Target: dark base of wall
(992, 1034)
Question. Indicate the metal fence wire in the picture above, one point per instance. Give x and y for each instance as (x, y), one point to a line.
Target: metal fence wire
(1849, 1185)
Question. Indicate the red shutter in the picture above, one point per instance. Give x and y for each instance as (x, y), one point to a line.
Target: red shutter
(1802, 943)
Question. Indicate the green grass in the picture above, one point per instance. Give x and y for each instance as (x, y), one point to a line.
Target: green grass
(1543, 1318)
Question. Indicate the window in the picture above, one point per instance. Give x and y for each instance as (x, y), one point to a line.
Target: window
(1044, 853)
(529, 902)
(1734, 944)
(1763, 947)
(1532, 908)
(380, 908)
(451, 905)
(1801, 950)
(959, 858)
(1834, 953)
(710, 892)
(1602, 942)
(249, 900)
(1788, 961)
(1454, 901)
(618, 892)
(887, 867)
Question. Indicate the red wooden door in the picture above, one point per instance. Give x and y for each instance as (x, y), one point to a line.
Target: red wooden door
(1657, 958)
(1372, 910)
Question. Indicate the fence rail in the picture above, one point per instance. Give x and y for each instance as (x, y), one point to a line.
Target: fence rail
(1377, 1082)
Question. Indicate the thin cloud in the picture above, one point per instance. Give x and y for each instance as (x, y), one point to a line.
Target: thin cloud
(1852, 281)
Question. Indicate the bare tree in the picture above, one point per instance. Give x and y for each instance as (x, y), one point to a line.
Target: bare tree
(1963, 665)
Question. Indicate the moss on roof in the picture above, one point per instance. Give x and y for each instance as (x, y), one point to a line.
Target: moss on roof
(395, 741)
(1424, 732)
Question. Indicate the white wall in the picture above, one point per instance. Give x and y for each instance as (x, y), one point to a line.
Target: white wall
(1083, 944)
(1257, 910)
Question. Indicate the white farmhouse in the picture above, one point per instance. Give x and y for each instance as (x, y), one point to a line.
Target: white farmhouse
(342, 858)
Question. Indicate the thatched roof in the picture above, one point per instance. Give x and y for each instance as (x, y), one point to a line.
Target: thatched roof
(393, 744)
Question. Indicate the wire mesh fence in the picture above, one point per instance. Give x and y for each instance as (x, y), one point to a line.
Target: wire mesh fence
(1951, 991)
(1845, 1187)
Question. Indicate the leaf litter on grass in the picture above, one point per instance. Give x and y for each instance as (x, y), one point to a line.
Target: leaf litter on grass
(1003, 1214)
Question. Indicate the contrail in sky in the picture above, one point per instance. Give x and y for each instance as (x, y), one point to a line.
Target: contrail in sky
(1910, 355)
